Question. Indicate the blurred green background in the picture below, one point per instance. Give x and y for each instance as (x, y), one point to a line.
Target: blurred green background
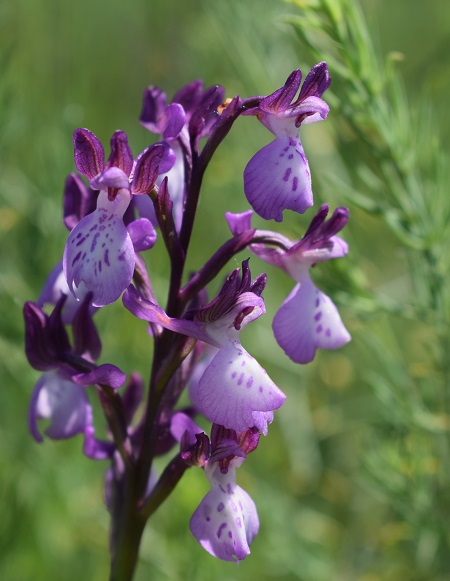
(328, 506)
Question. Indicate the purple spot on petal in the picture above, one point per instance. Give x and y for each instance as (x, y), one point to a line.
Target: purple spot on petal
(102, 228)
(291, 156)
(294, 184)
(242, 364)
(229, 489)
(208, 518)
(106, 257)
(260, 389)
(249, 382)
(233, 375)
(230, 535)
(81, 240)
(328, 332)
(220, 507)
(287, 174)
(222, 526)
(94, 227)
(318, 316)
(319, 329)
(94, 241)
(317, 303)
(286, 148)
(99, 265)
(238, 522)
(241, 379)
(77, 257)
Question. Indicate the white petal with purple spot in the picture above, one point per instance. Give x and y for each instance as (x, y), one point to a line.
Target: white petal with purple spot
(308, 320)
(99, 254)
(278, 178)
(226, 521)
(234, 389)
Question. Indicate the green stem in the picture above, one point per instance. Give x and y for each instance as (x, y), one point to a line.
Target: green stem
(127, 527)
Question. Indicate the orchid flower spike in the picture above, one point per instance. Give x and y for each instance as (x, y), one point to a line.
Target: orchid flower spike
(278, 177)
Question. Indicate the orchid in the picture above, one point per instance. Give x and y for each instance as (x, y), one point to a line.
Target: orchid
(278, 176)
(234, 390)
(226, 521)
(196, 341)
(307, 319)
(99, 255)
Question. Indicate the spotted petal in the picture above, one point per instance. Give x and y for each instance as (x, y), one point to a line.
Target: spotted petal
(226, 521)
(99, 254)
(278, 178)
(308, 320)
(234, 389)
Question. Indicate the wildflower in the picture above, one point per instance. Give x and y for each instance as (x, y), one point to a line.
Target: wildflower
(100, 255)
(278, 177)
(226, 521)
(59, 395)
(307, 319)
(191, 114)
(234, 390)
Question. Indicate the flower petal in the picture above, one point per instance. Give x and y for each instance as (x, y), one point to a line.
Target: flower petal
(99, 254)
(89, 154)
(61, 401)
(226, 522)
(308, 320)
(106, 374)
(142, 234)
(278, 178)
(235, 388)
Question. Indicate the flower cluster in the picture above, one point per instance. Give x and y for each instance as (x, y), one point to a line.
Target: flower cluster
(197, 347)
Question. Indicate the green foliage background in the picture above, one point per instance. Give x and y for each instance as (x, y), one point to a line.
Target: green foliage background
(352, 482)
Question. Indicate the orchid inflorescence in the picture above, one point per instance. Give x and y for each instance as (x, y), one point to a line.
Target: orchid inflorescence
(112, 220)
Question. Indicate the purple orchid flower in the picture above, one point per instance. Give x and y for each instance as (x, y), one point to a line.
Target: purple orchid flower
(168, 121)
(59, 395)
(100, 252)
(181, 123)
(278, 176)
(307, 319)
(234, 390)
(226, 521)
